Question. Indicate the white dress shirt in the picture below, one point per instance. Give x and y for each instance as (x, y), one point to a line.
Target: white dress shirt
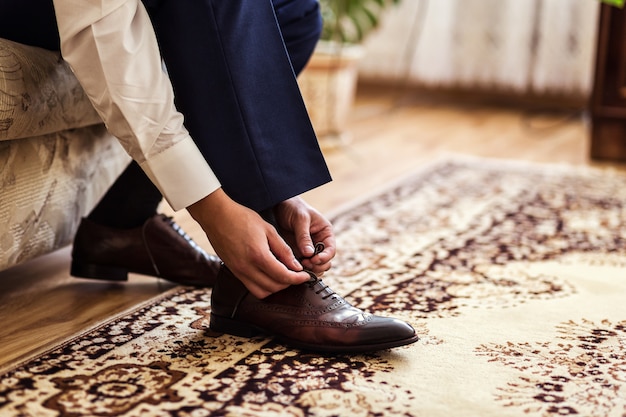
(112, 49)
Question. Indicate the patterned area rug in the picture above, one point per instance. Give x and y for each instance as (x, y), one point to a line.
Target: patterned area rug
(514, 275)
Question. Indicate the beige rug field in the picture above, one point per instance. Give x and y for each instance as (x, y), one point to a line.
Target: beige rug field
(513, 274)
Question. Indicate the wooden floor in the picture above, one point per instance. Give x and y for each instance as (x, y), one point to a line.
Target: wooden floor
(392, 135)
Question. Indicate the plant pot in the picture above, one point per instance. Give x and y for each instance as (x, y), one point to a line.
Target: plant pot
(328, 86)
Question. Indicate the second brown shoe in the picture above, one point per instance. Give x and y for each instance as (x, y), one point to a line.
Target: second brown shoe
(158, 248)
(308, 316)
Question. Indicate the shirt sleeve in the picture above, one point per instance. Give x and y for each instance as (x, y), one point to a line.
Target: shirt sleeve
(112, 49)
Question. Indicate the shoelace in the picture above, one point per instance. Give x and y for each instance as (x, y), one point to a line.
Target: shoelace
(314, 280)
(183, 234)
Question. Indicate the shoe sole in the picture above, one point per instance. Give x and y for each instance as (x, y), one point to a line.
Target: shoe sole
(220, 324)
(101, 272)
(113, 273)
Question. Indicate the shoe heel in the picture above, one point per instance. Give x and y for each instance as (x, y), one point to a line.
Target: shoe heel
(93, 271)
(220, 324)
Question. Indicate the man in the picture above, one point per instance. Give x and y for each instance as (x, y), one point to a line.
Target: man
(245, 153)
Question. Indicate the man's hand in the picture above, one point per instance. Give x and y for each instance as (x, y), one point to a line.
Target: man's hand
(302, 227)
(250, 247)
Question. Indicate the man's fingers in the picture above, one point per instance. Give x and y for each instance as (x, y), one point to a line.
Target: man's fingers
(282, 251)
(266, 284)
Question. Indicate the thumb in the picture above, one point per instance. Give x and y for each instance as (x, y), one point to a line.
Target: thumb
(303, 240)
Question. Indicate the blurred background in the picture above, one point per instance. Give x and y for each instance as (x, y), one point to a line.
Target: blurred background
(554, 55)
(528, 47)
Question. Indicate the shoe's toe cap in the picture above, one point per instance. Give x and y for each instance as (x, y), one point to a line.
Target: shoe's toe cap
(386, 330)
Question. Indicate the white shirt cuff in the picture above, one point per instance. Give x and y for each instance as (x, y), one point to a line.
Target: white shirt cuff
(181, 173)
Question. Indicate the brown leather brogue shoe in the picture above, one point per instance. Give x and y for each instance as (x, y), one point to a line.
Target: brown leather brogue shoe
(159, 248)
(308, 316)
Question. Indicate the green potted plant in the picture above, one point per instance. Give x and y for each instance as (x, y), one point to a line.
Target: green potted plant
(350, 21)
(618, 3)
(328, 83)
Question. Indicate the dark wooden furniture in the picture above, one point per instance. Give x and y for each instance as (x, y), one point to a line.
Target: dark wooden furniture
(608, 99)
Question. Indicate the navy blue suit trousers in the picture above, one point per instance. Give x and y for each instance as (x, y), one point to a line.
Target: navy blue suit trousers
(233, 65)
